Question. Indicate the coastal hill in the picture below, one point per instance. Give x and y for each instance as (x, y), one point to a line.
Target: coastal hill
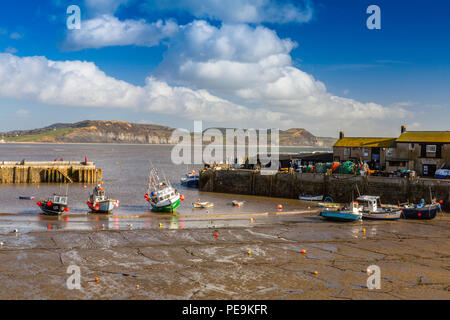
(125, 132)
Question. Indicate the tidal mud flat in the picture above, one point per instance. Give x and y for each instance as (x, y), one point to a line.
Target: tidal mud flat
(254, 261)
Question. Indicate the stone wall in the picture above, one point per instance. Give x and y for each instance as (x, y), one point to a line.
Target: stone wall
(342, 188)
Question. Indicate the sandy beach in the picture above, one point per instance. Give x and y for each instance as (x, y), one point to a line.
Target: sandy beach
(259, 261)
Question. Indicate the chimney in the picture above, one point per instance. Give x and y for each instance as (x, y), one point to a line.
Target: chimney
(341, 135)
(403, 129)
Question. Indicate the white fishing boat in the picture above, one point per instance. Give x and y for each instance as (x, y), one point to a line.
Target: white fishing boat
(373, 210)
(160, 194)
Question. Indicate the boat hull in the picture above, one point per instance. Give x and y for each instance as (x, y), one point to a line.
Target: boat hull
(310, 198)
(103, 206)
(426, 213)
(53, 210)
(171, 207)
(190, 183)
(392, 215)
(340, 216)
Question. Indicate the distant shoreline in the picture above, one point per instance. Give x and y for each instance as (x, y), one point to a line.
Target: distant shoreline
(139, 144)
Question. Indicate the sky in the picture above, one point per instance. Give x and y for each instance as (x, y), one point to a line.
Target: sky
(310, 64)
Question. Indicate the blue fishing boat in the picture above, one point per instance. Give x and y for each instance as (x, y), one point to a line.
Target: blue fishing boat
(100, 203)
(191, 179)
(421, 211)
(354, 213)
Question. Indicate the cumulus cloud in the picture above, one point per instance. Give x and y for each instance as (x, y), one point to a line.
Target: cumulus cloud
(253, 66)
(107, 30)
(83, 84)
(240, 11)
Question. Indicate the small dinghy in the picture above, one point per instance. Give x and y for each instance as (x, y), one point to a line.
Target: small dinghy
(54, 206)
(331, 205)
(236, 203)
(202, 205)
(421, 211)
(100, 203)
(344, 215)
(372, 209)
(26, 198)
(310, 198)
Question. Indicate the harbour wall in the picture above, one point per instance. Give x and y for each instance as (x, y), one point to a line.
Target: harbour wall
(49, 172)
(341, 187)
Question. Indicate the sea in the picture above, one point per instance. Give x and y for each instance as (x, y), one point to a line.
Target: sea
(125, 178)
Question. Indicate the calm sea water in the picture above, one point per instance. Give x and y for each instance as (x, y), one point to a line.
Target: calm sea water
(125, 176)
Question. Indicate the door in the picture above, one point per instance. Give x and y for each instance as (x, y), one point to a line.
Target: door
(429, 170)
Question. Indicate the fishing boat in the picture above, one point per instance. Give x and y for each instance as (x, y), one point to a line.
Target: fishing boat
(236, 203)
(99, 203)
(310, 197)
(421, 211)
(202, 205)
(54, 206)
(160, 194)
(373, 210)
(191, 179)
(354, 213)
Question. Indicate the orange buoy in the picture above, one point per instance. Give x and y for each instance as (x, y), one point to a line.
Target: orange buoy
(303, 251)
(280, 207)
(49, 204)
(252, 220)
(316, 273)
(419, 214)
(216, 235)
(96, 279)
(249, 252)
(66, 209)
(39, 203)
(364, 230)
(182, 198)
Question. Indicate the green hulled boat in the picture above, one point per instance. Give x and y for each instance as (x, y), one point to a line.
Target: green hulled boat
(161, 195)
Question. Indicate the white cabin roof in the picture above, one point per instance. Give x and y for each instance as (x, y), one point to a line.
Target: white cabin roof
(368, 198)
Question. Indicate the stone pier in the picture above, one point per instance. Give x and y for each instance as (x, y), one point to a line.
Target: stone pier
(49, 172)
(341, 187)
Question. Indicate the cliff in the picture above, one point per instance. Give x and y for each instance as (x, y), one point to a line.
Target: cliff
(125, 132)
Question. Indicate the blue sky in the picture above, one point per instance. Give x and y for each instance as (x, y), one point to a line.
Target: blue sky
(264, 63)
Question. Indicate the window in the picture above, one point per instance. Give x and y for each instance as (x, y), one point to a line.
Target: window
(431, 148)
(411, 146)
(346, 151)
(389, 152)
(365, 152)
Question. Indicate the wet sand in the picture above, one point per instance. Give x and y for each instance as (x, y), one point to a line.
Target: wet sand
(414, 257)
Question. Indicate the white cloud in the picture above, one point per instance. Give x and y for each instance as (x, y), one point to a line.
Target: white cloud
(240, 11)
(107, 30)
(253, 67)
(83, 84)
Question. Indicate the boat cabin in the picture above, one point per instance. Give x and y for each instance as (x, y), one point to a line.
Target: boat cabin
(370, 203)
(59, 199)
